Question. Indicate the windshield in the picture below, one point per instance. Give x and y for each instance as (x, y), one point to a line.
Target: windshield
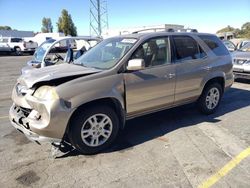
(40, 51)
(107, 53)
(246, 47)
(229, 44)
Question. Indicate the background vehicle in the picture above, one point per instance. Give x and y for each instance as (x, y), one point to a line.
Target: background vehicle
(4, 47)
(42, 37)
(19, 45)
(242, 43)
(63, 50)
(87, 102)
(241, 60)
(230, 45)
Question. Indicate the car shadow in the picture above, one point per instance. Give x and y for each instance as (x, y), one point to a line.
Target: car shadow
(149, 127)
(5, 54)
(241, 80)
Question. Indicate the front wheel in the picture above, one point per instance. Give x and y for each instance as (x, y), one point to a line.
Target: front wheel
(94, 129)
(210, 98)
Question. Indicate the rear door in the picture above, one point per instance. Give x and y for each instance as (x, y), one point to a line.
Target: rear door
(153, 87)
(192, 65)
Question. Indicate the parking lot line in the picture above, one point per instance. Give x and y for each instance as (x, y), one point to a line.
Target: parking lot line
(226, 169)
(4, 117)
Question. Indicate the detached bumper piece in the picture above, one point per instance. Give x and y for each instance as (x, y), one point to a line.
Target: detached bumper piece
(18, 117)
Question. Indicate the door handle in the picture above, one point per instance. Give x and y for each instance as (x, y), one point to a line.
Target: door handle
(170, 75)
(207, 68)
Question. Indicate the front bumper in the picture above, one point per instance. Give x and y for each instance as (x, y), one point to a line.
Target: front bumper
(40, 120)
(241, 71)
(242, 75)
(19, 120)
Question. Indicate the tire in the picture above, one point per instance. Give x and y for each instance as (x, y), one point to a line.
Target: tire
(18, 51)
(210, 98)
(86, 126)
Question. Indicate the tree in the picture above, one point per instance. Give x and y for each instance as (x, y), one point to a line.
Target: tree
(245, 26)
(47, 25)
(226, 29)
(65, 24)
(5, 28)
(244, 32)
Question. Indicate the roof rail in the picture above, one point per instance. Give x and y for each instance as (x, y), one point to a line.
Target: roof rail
(188, 30)
(159, 29)
(150, 29)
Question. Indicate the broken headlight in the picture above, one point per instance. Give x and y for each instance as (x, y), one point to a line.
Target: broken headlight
(46, 93)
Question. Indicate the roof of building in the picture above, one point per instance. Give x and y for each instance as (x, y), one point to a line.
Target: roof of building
(15, 33)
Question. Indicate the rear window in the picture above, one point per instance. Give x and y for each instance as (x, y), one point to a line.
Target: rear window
(187, 48)
(215, 44)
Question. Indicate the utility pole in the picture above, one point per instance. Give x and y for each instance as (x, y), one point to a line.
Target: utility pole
(98, 17)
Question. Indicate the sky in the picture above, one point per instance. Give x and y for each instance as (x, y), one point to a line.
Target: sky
(206, 16)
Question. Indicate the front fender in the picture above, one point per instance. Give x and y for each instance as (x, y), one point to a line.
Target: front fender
(79, 91)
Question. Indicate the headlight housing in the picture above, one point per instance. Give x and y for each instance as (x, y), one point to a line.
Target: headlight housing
(46, 93)
(247, 62)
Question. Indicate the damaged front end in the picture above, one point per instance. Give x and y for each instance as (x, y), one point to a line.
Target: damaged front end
(38, 110)
(19, 119)
(39, 113)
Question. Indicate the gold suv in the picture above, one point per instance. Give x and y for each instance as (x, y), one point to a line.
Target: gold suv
(88, 101)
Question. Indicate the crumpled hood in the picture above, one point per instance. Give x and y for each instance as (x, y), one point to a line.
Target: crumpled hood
(241, 55)
(54, 72)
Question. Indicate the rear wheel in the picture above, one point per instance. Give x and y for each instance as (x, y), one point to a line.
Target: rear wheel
(18, 51)
(94, 129)
(210, 98)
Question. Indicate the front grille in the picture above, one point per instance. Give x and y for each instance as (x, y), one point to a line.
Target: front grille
(239, 61)
(25, 111)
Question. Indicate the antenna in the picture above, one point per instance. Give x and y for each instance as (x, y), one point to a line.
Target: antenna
(98, 17)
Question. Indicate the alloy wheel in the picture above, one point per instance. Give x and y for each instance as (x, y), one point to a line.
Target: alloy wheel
(212, 98)
(96, 130)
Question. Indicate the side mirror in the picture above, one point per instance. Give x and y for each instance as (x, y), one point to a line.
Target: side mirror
(136, 64)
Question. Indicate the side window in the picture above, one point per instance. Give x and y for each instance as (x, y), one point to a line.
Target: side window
(187, 48)
(215, 44)
(154, 52)
(16, 40)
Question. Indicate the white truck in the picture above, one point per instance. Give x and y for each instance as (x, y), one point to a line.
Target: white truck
(4, 47)
(17, 45)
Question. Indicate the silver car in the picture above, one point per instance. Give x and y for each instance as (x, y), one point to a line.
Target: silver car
(230, 45)
(87, 103)
(63, 50)
(241, 61)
